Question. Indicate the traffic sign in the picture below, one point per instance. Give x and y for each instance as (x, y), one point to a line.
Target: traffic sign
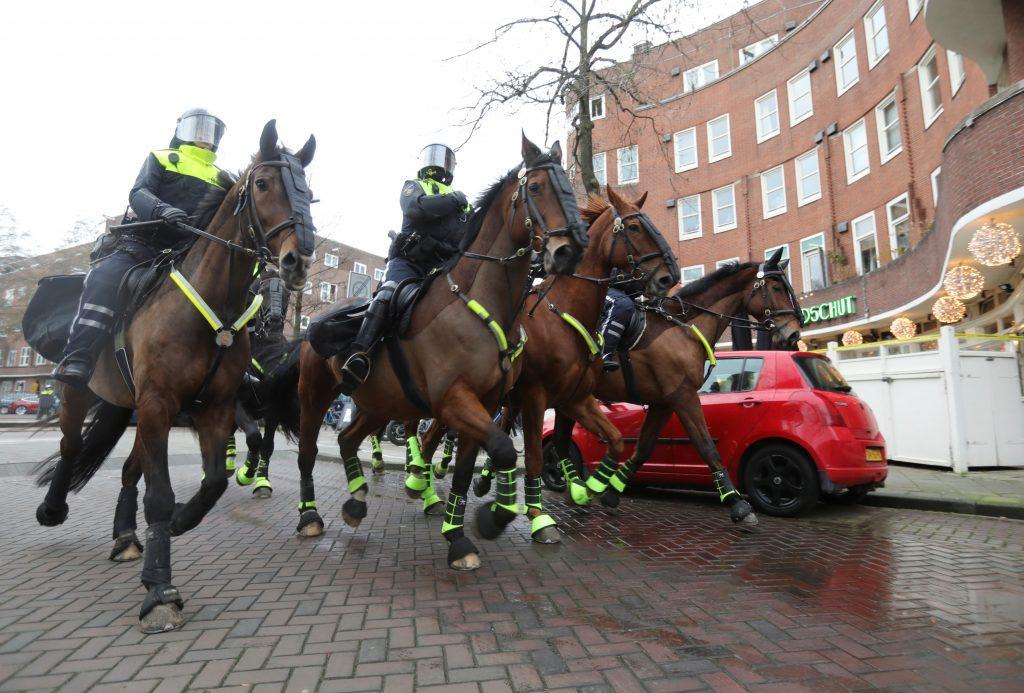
(358, 285)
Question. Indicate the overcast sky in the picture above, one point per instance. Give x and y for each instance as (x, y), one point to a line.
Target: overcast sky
(89, 88)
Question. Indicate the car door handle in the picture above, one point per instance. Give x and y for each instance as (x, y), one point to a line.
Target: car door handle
(750, 403)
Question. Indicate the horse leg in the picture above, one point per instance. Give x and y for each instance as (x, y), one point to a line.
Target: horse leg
(54, 508)
(317, 389)
(262, 488)
(432, 504)
(654, 421)
(416, 482)
(377, 455)
(213, 424)
(575, 490)
(543, 528)
(247, 472)
(447, 452)
(482, 484)
(349, 440)
(127, 546)
(230, 453)
(689, 412)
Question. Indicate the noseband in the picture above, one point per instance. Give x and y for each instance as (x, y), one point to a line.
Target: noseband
(761, 285)
(246, 203)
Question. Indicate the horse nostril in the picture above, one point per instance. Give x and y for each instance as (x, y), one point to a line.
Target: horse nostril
(289, 260)
(563, 256)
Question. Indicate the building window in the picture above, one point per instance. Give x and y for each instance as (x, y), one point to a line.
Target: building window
(697, 77)
(956, 71)
(928, 78)
(688, 209)
(731, 261)
(935, 185)
(40, 359)
(876, 34)
(328, 292)
(801, 106)
(898, 214)
(865, 243)
(304, 322)
(755, 49)
(785, 256)
(766, 112)
(724, 200)
(887, 117)
(12, 358)
(855, 141)
(19, 386)
(773, 192)
(600, 162)
(308, 288)
(812, 262)
(914, 6)
(330, 260)
(846, 63)
(686, 149)
(358, 268)
(597, 107)
(629, 165)
(719, 142)
(378, 274)
(808, 186)
(26, 353)
(691, 273)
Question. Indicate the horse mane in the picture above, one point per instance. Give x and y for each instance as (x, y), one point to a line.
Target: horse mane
(209, 205)
(704, 283)
(594, 207)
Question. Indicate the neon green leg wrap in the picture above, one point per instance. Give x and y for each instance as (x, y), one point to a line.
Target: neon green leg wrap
(505, 494)
(416, 480)
(486, 471)
(454, 516)
(246, 473)
(598, 481)
(577, 491)
(723, 484)
(441, 468)
(262, 476)
(430, 497)
(541, 522)
(377, 455)
(232, 453)
(354, 473)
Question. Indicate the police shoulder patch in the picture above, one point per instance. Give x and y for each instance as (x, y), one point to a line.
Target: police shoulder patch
(408, 189)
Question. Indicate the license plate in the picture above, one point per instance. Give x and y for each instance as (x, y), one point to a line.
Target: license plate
(873, 455)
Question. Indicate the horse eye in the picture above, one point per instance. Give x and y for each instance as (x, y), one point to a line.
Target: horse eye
(261, 185)
(534, 187)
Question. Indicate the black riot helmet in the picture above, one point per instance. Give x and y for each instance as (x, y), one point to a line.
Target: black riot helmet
(437, 163)
(198, 126)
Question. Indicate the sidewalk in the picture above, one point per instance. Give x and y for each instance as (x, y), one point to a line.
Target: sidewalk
(997, 492)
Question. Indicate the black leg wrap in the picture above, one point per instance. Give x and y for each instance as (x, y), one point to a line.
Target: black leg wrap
(610, 498)
(308, 517)
(123, 541)
(126, 511)
(481, 486)
(51, 515)
(161, 594)
(156, 568)
(460, 548)
(492, 519)
(354, 508)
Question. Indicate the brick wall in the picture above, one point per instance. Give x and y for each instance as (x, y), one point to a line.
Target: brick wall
(1013, 21)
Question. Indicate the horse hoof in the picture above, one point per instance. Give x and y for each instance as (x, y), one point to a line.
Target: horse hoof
(126, 548)
(440, 471)
(263, 492)
(481, 486)
(353, 512)
(415, 486)
(310, 524)
(470, 561)
(610, 499)
(548, 535)
(48, 516)
(163, 618)
(434, 509)
(463, 555)
(491, 523)
(748, 523)
(377, 471)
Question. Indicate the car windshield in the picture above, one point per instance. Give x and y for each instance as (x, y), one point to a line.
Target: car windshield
(822, 375)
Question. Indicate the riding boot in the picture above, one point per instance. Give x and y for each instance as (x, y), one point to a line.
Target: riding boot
(610, 352)
(83, 348)
(357, 367)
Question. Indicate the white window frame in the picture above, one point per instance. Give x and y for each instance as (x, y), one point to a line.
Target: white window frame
(768, 214)
(958, 75)
(848, 153)
(800, 199)
(856, 240)
(719, 264)
(785, 256)
(330, 260)
(26, 354)
(929, 118)
(914, 8)
(683, 271)
(699, 73)
(719, 228)
(712, 158)
(804, 274)
(618, 164)
(869, 39)
(308, 288)
(840, 87)
(675, 149)
(378, 274)
(12, 358)
(19, 386)
(761, 135)
(600, 99)
(935, 185)
(891, 223)
(680, 206)
(603, 157)
(331, 289)
(359, 267)
(880, 128)
(793, 117)
(40, 359)
(772, 41)
(304, 322)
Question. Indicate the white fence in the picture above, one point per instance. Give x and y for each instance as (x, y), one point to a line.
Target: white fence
(949, 400)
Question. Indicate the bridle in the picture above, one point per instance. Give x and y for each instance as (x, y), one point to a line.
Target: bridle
(299, 199)
(633, 255)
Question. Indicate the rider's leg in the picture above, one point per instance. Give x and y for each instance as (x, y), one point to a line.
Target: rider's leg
(620, 310)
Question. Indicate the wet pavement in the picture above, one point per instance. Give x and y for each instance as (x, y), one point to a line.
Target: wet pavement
(662, 595)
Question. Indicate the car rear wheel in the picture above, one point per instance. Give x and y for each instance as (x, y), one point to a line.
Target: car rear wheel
(781, 481)
(551, 472)
(21, 410)
(395, 433)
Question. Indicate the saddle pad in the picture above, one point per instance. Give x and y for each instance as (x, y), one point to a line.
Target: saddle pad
(47, 320)
(332, 333)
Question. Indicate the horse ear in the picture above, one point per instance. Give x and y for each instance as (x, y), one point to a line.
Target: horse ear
(784, 264)
(640, 201)
(556, 152)
(268, 140)
(613, 197)
(530, 150)
(773, 261)
(305, 155)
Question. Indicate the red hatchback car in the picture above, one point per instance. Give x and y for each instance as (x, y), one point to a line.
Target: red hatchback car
(788, 427)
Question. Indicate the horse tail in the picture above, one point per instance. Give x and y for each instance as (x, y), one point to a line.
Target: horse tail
(104, 430)
(282, 392)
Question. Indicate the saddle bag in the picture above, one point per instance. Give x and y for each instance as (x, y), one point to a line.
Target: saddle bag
(332, 334)
(47, 320)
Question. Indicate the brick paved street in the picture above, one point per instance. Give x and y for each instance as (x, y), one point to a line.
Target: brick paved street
(663, 596)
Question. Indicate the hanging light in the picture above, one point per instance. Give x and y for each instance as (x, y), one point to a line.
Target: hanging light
(852, 338)
(995, 244)
(801, 345)
(949, 309)
(964, 282)
(903, 328)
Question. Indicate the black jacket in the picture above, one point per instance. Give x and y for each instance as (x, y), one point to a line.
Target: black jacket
(158, 188)
(432, 225)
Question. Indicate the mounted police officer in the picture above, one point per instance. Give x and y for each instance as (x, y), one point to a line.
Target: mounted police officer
(434, 220)
(619, 309)
(169, 188)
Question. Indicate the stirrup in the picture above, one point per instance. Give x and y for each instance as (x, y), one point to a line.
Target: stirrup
(355, 371)
(611, 362)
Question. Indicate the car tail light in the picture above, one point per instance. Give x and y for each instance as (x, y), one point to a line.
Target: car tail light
(832, 415)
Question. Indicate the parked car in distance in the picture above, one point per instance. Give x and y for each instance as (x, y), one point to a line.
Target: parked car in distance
(788, 427)
(22, 404)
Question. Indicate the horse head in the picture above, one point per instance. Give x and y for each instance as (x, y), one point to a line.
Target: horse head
(551, 220)
(771, 299)
(637, 244)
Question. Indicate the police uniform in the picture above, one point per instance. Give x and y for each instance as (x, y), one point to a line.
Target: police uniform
(434, 220)
(169, 188)
(619, 309)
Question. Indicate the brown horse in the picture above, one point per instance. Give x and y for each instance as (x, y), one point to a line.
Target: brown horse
(178, 360)
(461, 346)
(668, 368)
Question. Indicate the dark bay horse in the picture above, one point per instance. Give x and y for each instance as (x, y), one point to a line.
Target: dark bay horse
(461, 346)
(173, 350)
(669, 369)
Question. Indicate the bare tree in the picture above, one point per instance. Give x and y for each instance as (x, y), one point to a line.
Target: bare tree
(84, 229)
(588, 33)
(14, 241)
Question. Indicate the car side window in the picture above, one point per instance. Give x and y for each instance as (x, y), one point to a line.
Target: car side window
(751, 373)
(733, 375)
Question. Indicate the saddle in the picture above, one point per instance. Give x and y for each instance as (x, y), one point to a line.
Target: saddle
(332, 333)
(633, 332)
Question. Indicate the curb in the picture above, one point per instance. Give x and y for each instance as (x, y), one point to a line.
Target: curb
(962, 506)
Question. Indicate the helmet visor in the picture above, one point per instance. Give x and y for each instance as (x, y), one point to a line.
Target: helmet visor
(200, 127)
(440, 156)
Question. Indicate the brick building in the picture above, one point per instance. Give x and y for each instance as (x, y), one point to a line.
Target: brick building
(868, 139)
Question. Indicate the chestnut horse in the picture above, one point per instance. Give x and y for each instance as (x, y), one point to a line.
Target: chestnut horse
(179, 362)
(462, 344)
(669, 368)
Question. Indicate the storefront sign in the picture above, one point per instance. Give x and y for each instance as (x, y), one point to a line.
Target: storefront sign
(831, 310)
